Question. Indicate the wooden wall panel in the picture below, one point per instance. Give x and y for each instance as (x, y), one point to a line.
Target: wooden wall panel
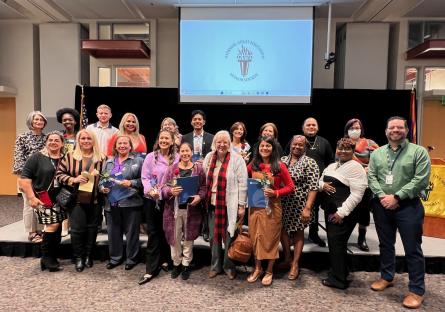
(8, 181)
(433, 127)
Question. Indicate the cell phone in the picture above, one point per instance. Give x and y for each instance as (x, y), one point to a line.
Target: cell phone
(190, 199)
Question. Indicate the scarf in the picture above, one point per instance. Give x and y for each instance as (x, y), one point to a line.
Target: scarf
(219, 230)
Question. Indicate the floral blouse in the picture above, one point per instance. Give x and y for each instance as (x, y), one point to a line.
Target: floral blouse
(26, 144)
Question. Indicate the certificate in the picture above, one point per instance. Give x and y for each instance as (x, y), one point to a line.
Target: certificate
(189, 186)
(255, 194)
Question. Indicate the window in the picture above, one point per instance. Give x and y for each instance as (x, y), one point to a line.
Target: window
(133, 76)
(104, 77)
(119, 31)
(411, 78)
(434, 78)
(418, 32)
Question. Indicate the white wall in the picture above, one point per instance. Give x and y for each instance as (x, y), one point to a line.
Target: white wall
(18, 68)
(322, 78)
(168, 53)
(60, 67)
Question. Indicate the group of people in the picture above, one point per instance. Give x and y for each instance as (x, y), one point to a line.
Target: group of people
(102, 168)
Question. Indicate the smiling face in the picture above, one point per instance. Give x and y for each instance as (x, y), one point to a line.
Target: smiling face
(68, 122)
(396, 131)
(165, 140)
(104, 115)
(344, 153)
(54, 143)
(238, 132)
(38, 123)
(85, 141)
(310, 127)
(185, 153)
(198, 122)
(268, 132)
(222, 145)
(130, 124)
(298, 146)
(265, 150)
(169, 126)
(123, 146)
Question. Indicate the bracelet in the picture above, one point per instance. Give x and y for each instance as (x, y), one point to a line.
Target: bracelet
(276, 194)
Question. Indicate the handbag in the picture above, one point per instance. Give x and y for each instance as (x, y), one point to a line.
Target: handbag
(241, 248)
(51, 215)
(67, 198)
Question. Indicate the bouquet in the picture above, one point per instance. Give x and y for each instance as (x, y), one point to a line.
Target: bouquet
(265, 183)
(156, 189)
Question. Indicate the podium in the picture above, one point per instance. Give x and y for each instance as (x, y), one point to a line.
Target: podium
(434, 223)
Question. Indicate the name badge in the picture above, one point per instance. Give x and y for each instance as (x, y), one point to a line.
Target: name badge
(389, 179)
(56, 183)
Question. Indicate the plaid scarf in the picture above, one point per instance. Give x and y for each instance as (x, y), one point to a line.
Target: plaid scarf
(219, 230)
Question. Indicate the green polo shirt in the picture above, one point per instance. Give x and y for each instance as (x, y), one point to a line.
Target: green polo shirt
(411, 169)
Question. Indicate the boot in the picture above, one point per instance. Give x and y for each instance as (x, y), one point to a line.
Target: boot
(313, 235)
(89, 246)
(78, 251)
(361, 241)
(55, 243)
(48, 261)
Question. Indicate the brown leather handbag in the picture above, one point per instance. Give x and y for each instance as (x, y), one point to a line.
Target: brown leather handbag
(241, 247)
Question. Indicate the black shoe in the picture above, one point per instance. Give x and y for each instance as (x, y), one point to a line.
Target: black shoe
(145, 278)
(111, 265)
(361, 241)
(317, 240)
(88, 261)
(129, 266)
(164, 267)
(205, 237)
(176, 271)
(328, 283)
(363, 246)
(79, 264)
(185, 274)
(50, 264)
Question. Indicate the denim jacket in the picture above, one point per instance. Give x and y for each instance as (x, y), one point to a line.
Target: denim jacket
(132, 172)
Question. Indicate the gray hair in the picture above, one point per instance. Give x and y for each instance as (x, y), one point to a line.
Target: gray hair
(220, 134)
(31, 116)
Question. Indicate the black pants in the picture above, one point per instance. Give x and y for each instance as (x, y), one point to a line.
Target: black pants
(338, 236)
(363, 208)
(84, 220)
(158, 250)
(120, 221)
(313, 227)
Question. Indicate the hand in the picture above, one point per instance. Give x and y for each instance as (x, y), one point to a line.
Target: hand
(268, 192)
(199, 161)
(105, 190)
(196, 200)
(154, 194)
(306, 215)
(328, 188)
(176, 190)
(80, 179)
(94, 172)
(241, 212)
(126, 183)
(389, 202)
(335, 218)
(34, 202)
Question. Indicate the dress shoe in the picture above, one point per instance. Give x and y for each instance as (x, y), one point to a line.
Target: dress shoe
(267, 279)
(111, 265)
(381, 284)
(317, 240)
(412, 301)
(185, 274)
(88, 261)
(205, 237)
(176, 271)
(231, 274)
(129, 266)
(363, 246)
(212, 274)
(145, 278)
(326, 282)
(79, 264)
(164, 267)
(254, 276)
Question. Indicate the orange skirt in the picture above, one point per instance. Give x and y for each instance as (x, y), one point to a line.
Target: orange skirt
(265, 231)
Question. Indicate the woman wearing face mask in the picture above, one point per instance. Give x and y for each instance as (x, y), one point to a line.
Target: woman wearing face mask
(129, 126)
(182, 220)
(363, 149)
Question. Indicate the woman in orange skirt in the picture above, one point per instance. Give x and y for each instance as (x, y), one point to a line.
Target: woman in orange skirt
(265, 223)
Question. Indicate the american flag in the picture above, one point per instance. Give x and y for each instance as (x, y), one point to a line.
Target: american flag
(413, 116)
(83, 111)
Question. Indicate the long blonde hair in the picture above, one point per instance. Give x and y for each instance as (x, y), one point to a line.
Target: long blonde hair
(124, 119)
(97, 154)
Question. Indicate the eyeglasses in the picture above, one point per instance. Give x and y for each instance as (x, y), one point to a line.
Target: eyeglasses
(344, 149)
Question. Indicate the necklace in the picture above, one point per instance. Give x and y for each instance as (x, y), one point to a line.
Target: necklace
(312, 145)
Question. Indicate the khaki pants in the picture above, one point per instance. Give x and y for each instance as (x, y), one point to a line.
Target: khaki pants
(181, 254)
(30, 217)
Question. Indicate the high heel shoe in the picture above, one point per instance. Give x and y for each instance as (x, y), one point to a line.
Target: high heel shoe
(254, 276)
(293, 273)
(79, 264)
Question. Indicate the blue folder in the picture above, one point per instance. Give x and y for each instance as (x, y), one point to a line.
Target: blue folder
(189, 186)
(255, 194)
(119, 192)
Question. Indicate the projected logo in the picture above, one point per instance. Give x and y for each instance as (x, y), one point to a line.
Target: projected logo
(245, 53)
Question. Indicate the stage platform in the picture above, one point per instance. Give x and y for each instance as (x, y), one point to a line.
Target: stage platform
(13, 242)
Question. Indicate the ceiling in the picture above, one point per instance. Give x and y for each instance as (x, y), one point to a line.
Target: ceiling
(40, 11)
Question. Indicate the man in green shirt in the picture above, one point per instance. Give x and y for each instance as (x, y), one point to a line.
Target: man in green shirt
(397, 173)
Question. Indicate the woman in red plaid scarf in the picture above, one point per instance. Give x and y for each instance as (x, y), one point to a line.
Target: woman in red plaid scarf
(265, 223)
(226, 200)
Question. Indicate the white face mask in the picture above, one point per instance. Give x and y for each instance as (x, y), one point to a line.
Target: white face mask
(354, 133)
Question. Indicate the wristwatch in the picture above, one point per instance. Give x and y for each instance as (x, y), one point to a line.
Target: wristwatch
(397, 197)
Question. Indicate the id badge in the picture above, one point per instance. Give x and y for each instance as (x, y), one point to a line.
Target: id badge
(56, 183)
(389, 179)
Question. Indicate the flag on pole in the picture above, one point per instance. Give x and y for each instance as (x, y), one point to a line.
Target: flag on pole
(83, 111)
(413, 116)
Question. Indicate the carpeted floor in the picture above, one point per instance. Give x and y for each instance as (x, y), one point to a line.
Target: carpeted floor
(11, 209)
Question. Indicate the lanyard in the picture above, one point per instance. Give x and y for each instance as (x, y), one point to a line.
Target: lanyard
(390, 167)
